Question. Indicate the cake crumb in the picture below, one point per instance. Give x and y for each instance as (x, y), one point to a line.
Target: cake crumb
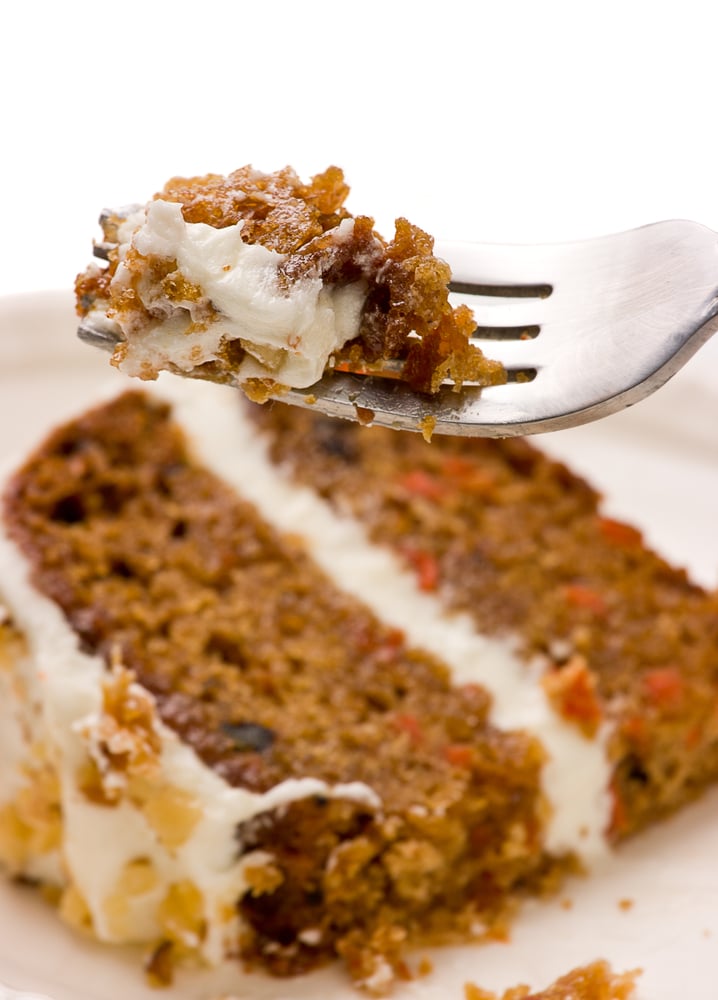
(292, 232)
(159, 965)
(426, 967)
(427, 426)
(473, 992)
(595, 981)
(364, 415)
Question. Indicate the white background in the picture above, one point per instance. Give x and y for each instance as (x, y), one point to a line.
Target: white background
(496, 121)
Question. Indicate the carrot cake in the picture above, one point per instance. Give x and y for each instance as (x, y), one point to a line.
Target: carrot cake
(291, 689)
(267, 282)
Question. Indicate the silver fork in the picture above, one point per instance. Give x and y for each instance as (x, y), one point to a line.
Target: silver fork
(583, 329)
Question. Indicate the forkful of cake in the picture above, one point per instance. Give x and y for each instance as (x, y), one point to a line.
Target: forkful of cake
(268, 283)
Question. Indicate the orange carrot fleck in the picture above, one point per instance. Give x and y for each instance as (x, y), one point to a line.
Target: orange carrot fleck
(664, 686)
(618, 823)
(572, 689)
(421, 484)
(425, 566)
(580, 595)
(459, 755)
(634, 728)
(618, 533)
(409, 724)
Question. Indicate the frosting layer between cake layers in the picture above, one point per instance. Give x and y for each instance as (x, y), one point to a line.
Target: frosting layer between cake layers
(154, 848)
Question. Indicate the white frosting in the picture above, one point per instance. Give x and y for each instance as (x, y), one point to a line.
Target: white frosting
(289, 334)
(577, 774)
(98, 840)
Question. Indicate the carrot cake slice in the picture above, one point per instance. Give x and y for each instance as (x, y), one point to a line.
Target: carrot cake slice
(267, 282)
(288, 689)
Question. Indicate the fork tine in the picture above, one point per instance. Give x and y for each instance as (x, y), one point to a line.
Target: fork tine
(103, 250)
(515, 354)
(503, 285)
(503, 265)
(514, 313)
(620, 316)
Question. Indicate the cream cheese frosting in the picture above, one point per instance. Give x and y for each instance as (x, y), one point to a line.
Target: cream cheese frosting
(289, 333)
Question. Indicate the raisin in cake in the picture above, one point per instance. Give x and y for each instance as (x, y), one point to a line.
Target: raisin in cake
(288, 689)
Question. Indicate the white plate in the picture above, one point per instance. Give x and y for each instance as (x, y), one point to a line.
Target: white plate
(658, 466)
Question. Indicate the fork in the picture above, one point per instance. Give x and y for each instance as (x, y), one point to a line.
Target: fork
(583, 329)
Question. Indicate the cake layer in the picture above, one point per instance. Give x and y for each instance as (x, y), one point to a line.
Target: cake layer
(500, 533)
(278, 769)
(291, 689)
(102, 802)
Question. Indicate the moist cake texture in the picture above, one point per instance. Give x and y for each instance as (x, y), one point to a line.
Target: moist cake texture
(287, 689)
(266, 281)
(420, 817)
(520, 544)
